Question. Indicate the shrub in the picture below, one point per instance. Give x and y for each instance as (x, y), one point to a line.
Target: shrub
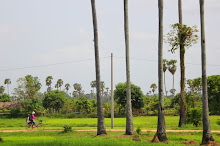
(139, 131)
(218, 122)
(15, 112)
(67, 128)
(194, 116)
(1, 140)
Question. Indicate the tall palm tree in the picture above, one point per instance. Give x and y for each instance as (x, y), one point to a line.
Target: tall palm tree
(161, 129)
(207, 135)
(67, 87)
(154, 87)
(129, 116)
(49, 82)
(60, 83)
(182, 120)
(8, 82)
(101, 123)
(172, 68)
(164, 70)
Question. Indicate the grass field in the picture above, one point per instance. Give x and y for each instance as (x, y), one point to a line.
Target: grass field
(149, 123)
(89, 138)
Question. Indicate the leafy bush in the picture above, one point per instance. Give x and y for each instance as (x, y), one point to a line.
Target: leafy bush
(15, 112)
(67, 128)
(194, 116)
(218, 122)
(5, 98)
(139, 131)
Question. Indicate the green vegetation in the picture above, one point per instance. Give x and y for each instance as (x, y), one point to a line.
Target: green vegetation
(147, 122)
(90, 138)
(5, 98)
(67, 128)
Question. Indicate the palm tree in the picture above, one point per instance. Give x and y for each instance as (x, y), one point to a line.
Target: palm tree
(164, 70)
(207, 135)
(2, 89)
(172, 68)
(182, 120)
(67, 86)
(154, 87)
(100, 114)
(161, 129)
(102, 87)
(129, 117)
(8, 82)
(77, 87)
(60, 83)
(49, 82)
(93, 85)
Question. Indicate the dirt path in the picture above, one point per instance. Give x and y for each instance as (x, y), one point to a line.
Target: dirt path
(121, 130)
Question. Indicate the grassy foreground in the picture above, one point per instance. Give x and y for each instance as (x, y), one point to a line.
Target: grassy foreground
(148, 122)
(89, 138)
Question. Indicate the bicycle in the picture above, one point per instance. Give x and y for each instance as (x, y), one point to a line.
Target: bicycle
(30, 126)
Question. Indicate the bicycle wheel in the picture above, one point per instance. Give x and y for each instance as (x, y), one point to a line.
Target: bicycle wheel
(29, 127)
(40, 127)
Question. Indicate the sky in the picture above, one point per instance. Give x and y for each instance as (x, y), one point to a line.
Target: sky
(55, 38)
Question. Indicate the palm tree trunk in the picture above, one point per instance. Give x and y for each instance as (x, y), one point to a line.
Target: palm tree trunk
(180, 12)
(161, 129)
(101, 123)
(182, 120)
(165, 84)
(129, 117)
(207, 135)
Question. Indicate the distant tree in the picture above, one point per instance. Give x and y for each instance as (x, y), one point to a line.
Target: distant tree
(214, 93)
(172, 68)
(93, 85)
(60, 83)
(67, 86)
(164, 71)
(49, 82)
(77, 87)
(5, 98)
(8, 82)
(56, 86)
(102, 87)
(2, 89)
(27, 87)
(54, 100)
(137, 97)
(83, 105)
(154, 87)
(75, 94)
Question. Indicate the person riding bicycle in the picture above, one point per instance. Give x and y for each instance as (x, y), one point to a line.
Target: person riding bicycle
(32, 118)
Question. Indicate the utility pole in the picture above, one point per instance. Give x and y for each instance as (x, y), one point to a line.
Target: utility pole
(112, 94)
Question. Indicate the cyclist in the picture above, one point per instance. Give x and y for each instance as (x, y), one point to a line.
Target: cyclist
(32, 118)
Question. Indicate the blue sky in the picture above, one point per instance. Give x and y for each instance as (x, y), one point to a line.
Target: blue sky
(35, 33)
